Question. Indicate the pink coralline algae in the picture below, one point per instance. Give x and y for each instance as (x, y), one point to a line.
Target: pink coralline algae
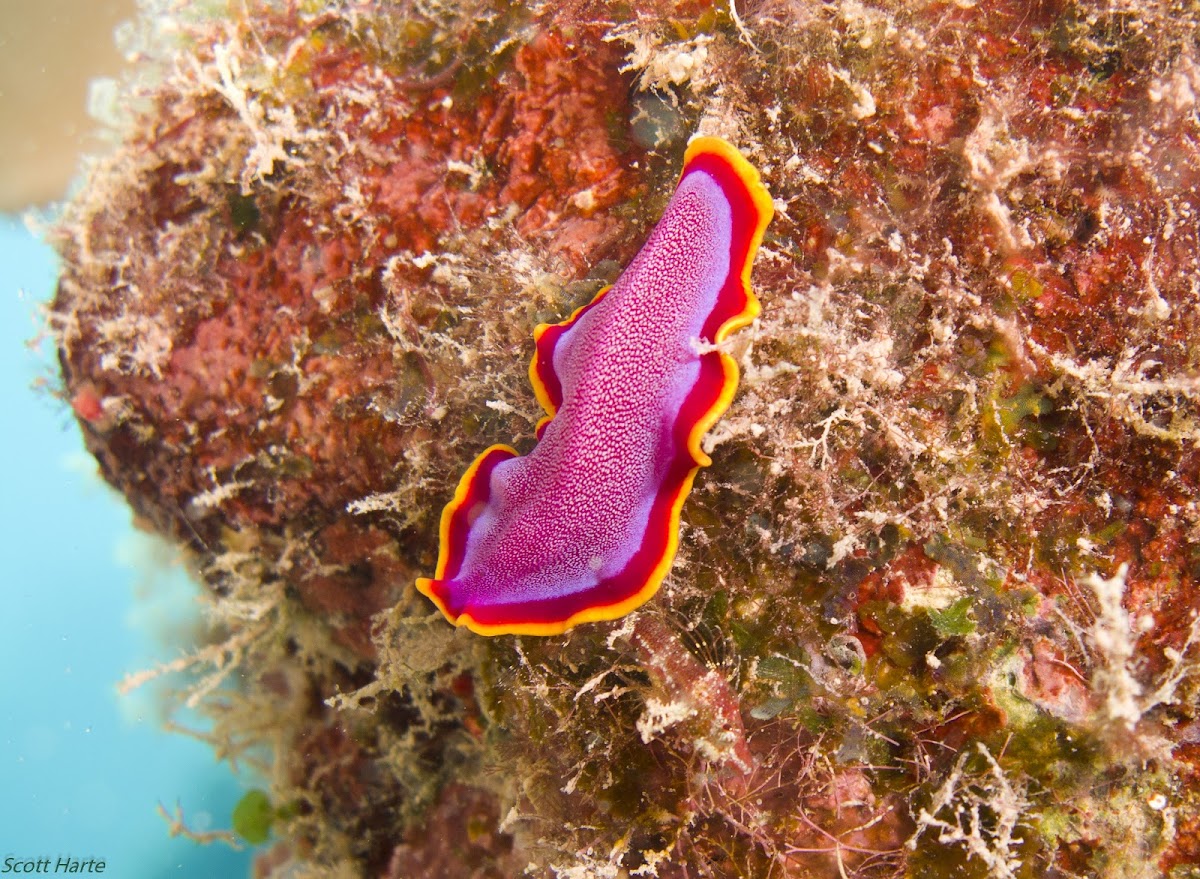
(934, 606)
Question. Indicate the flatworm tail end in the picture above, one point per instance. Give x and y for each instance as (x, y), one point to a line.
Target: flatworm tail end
(470, 497)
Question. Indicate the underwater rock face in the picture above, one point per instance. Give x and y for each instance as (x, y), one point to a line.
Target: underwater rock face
(243, 344)
(935, 606)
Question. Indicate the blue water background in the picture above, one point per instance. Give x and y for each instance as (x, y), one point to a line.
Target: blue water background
(86, 601)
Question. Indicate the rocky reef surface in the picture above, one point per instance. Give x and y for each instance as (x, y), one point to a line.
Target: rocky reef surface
(935, 606)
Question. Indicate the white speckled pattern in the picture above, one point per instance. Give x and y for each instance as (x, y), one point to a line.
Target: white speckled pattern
(574, 510)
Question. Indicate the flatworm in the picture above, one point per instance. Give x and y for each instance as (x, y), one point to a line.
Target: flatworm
(585, 527)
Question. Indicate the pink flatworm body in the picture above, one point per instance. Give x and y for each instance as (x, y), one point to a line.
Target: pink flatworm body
(585, 526)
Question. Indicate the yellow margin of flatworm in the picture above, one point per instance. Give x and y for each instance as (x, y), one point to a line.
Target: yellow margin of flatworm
(764, 210)
(539, 388)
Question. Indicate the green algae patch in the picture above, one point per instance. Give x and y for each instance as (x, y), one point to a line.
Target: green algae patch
(253, 816)
(955, 619)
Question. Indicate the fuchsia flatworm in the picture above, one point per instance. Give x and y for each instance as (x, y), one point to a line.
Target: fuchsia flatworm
(585, 527)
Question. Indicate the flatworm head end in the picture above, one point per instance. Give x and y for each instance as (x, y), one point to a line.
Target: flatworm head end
(753, 211)
(751, 208)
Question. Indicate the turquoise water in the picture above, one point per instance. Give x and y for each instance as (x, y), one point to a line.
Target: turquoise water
(83, 769)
